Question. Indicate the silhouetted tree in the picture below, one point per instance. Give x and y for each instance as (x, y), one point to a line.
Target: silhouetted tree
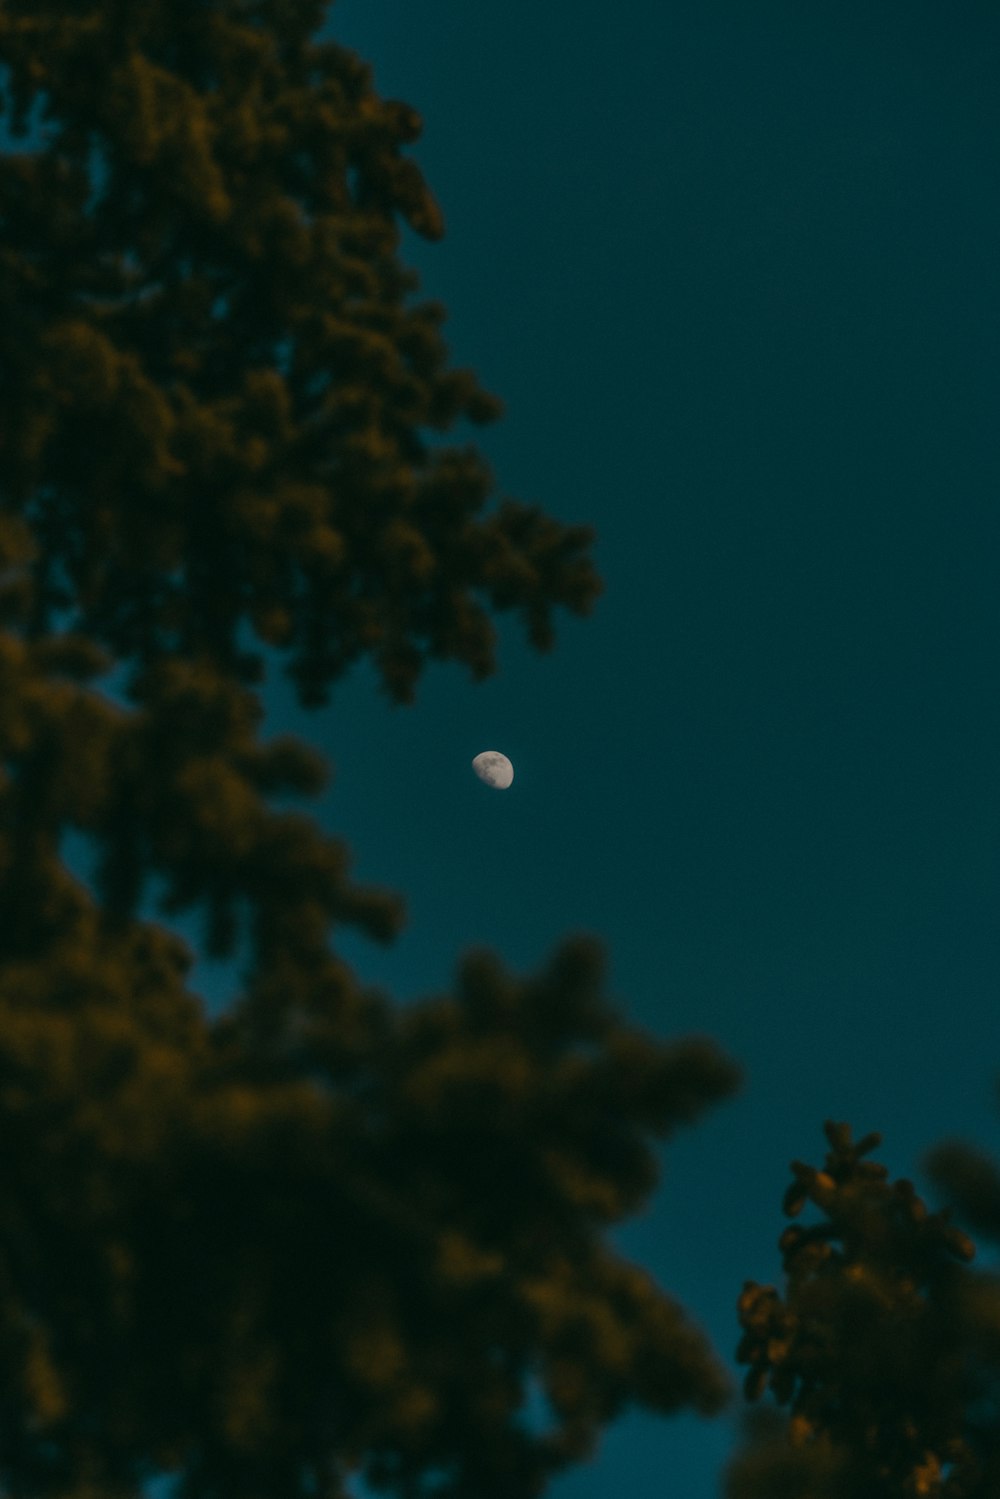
(318, 1233)
(884, 1348)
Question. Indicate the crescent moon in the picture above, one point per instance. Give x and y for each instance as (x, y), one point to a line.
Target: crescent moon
(494, 768)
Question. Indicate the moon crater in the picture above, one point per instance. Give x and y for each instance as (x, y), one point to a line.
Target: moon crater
(494, 768)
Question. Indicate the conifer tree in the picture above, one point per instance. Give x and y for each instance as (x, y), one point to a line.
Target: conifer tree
(319, 1233)
(883, 1350)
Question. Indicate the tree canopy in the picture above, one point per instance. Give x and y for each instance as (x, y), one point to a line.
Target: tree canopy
(884, 1348)
(216, 398)
(318, 1233)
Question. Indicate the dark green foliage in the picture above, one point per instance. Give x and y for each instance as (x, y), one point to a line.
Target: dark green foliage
(972, 1183)
(212, 386)
(317, 1233)
(883, 1347)
(215, 1262)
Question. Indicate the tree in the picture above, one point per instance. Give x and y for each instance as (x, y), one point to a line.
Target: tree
(883, 1349)
(320, 1232)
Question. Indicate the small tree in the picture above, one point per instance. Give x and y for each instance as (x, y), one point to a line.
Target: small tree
(876, 1349)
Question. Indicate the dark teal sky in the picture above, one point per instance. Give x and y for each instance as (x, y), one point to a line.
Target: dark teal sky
(733, 268)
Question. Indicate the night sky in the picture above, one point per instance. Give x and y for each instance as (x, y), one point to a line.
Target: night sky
(732, 266)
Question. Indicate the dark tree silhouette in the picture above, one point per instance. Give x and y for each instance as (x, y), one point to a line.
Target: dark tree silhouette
(884, 1348)
(318, 1233)
(213, 387)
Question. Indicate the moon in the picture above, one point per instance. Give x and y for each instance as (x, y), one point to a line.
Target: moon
(493, 768)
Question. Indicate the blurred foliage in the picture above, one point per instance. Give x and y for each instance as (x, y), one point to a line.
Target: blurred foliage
(214, 392)
(883, 1350)
(971, 1182)
(318, 1234)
